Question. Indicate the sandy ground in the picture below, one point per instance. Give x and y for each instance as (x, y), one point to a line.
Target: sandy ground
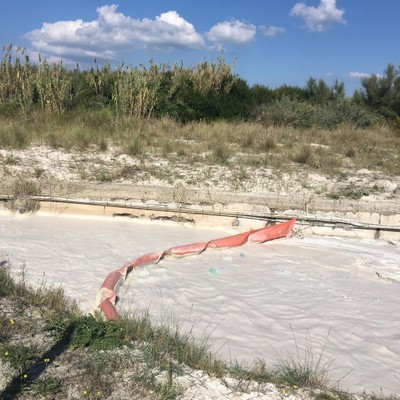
(329, 296)
(112, 175)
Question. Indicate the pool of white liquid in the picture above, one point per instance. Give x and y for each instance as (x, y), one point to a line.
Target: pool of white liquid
(331, 298)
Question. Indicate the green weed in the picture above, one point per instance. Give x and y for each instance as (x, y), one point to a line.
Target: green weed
(353, 192)
(304, 370)
(18, 356)
(102, 175)
(88, 332)
(47, 386)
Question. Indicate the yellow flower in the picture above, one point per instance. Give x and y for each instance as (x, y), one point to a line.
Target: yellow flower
(11, 321)
(6, 354)
(46, 360)
(295, 387)
(25, 376)
(283, 391)
(85, 392)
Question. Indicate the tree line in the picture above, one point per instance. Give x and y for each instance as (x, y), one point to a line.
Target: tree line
(207, 91)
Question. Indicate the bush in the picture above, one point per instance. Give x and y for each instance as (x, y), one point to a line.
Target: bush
(88, 332)
(329, 115)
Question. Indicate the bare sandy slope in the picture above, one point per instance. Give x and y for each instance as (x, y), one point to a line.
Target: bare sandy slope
(110, 175)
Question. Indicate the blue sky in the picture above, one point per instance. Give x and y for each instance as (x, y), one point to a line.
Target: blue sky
(275, 42)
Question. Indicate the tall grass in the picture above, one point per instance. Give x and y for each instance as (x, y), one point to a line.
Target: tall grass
(224, 143)
(27, 87)
(136, 90)
(16, 288)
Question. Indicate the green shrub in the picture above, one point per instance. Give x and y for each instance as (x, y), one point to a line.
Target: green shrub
(18, 356)
(88, 332)
(329, 115)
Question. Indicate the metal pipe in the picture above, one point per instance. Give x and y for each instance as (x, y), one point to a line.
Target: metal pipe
(189, 210)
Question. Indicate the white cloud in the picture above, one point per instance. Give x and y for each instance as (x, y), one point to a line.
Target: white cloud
(235, 32)
(329, 73)
(358, 75)
(114, 34)
(361, 75)
(319, 18)
(271, 31)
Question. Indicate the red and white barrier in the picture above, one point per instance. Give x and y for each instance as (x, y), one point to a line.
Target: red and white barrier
(107, 293)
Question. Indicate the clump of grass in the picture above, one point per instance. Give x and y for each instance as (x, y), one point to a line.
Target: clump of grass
(148, 378)
(305, 370)
(182, 150)
(6, 329)
(23, 187)
(294, 372)
(38, 172)
(16, 288)
(10, 159)
(326, 160)
(102, 175)
(165, 340)
(166, 147)
(21, 191)
(127, 172)
(14, 136)
(80, 138)
(20, 137)
(245, 375)
(304, 155)
(220, 153)
(47, 386)
(354, 193)
(18, 356)
(247, 141)
(135, 145)
(333, 394)
(350, 152)
(267, 142)
(98, 372)
(103, 144)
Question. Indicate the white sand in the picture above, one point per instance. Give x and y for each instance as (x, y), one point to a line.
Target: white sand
(255, 301)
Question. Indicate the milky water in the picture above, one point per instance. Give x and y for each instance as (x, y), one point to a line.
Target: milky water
(301, 298)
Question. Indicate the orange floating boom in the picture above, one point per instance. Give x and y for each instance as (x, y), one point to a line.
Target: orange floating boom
(107, 293)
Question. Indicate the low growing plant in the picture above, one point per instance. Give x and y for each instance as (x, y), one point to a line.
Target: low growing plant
(88, 332)
(18, 356)
(47, 386)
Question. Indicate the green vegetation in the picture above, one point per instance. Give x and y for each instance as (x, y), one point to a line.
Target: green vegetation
(47, 386)
(201, 115)
(247, 144)
(87, 332)
(382, 93)
(355, 193)
(18, 356)
(208, 91)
